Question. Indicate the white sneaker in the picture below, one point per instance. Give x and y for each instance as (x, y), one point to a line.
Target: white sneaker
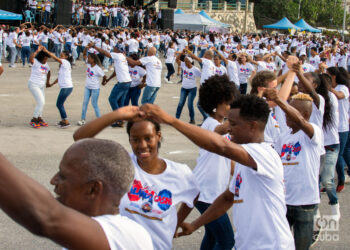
(81, 123)
(105, 70)
(170, 82)
(347, 179)
(166, 79)
(335, 211)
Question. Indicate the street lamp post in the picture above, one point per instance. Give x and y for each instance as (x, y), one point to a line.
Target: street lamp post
(246, 15)
(299, 9)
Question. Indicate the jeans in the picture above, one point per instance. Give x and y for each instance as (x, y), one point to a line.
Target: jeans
(133, 95)
(119, 19)
(45, 45)
(105, 62)
(46, 17)
(243, 88)
(149, 95)
(62, 96)
(171, 70)
(301, 219)
(57, 48)
(114, 22)
(191, 93)
(343, 137)
(346, 154)
(218, 233)
(68, 47)
(25, 54)
(328, 162)
(94, 94)
(117, 97)
(13, 54)
(38, 93)
(0, 52)
(74, 54)
(204, 114)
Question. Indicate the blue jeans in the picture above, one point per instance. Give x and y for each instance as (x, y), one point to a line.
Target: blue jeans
(117, 97)
(171, 70)
(328, 162)
(45, 45)
(119, 19)
(25, 54)
(68, 47)
(343, 137)
(149, 95)
(46, 16)
(218, 233)
(94, 94)
(13, 54)
(301, 219)
(191, 93)
(57, 48)
(204, 114)
(62, 96)
(133, 95)
(346, 154)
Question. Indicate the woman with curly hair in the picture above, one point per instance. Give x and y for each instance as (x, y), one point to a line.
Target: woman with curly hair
(213, 171)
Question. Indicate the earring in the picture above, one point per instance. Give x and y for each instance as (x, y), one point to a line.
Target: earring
(214, 110)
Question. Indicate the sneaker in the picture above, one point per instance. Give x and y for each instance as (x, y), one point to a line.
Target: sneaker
(63, 124)
(81, 123)
(166, 80)
(170, 82)
(12, 66)
(316, 229)
(192, 122)
(34, 124)
(42, 123)
(347, 179)
(105, 70)
(315, 237)
(335, 211)
(340, 188)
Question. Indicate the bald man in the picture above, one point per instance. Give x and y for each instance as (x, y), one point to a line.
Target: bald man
(300, 149)
(93, 176)
(153, 77)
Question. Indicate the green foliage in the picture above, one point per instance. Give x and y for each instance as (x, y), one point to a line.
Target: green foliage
(326, 13)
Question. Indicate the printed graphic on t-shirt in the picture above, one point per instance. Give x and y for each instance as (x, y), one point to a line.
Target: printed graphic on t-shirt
(290, 152)
(89, 72)
(238, 183)
(147, 200)
(44, 69)
(188, 74)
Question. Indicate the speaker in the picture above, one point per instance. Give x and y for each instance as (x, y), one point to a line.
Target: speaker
(172, 4)
(168, 18)
(63, 10)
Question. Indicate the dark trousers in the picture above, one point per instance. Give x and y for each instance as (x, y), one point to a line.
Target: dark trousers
(171, 70)
(218, 233)
(133, 95)
(243, 88)
(62, 97)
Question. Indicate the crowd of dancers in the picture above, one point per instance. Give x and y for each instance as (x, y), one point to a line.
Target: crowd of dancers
(274, 133)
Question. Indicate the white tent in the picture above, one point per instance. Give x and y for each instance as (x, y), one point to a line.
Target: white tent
(194, 22)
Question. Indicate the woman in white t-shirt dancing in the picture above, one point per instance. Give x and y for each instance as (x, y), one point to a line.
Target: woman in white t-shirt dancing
(94, 73)
(64, 81)
(159, 184)
(39, 78)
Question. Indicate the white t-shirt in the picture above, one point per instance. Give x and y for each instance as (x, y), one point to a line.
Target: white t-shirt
(152, 200)
(221, 70)
(136, 74)
(272, 129)
(261, 66)
(315, 61)
(133, 45)
(271, 66)
(12, 36)
(154, 70)
(232, 72)
(212, 171)
(317, 116)
(121, 67)
(65, 75)
(123, 233)
(93, 75)
(26, 40)
(189, 76)
(260, 210)
(244, 72)
(301, 160)
(331, 135)
(208, 69)
(343, 108)
(39, 73)
(170, 56)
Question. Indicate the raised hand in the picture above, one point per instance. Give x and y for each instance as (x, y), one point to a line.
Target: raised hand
(292, 60)
(271, 94)
(156, 113)
(131, 113)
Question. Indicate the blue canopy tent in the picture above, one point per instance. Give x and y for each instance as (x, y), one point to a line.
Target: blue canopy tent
(5, 15)
(283, 24)
(305, 26)
(224, 25)
(179, 11)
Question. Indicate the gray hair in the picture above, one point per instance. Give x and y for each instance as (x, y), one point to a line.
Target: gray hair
(109, 162)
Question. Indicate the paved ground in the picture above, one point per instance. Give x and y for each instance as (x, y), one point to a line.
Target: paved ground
(38, 152)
